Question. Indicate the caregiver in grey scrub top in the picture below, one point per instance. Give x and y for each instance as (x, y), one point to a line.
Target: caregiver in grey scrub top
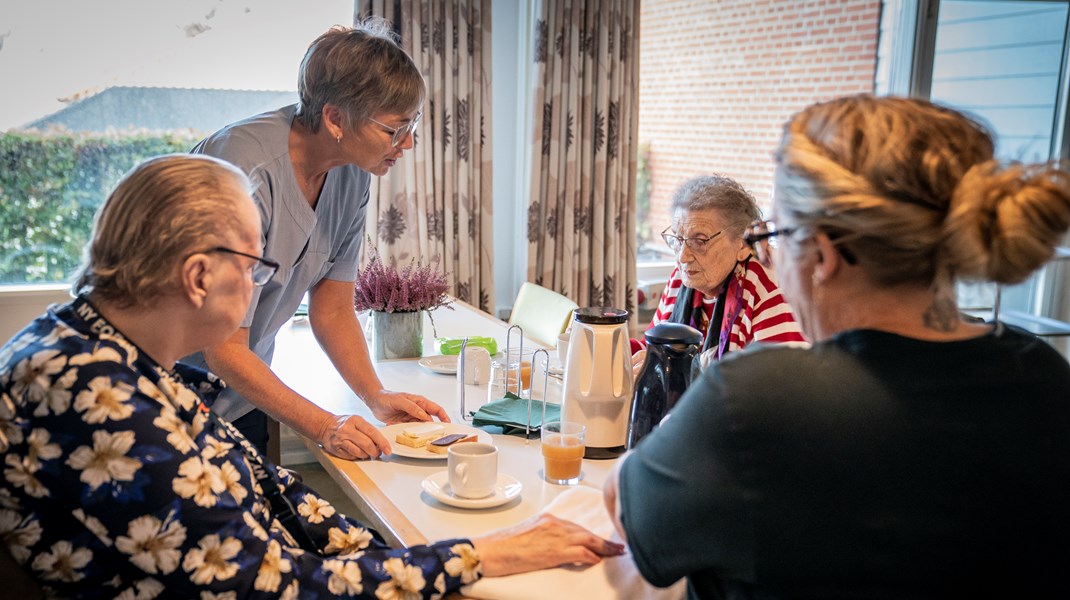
(360, 98)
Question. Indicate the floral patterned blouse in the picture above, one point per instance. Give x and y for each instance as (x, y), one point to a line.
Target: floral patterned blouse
(118, 484)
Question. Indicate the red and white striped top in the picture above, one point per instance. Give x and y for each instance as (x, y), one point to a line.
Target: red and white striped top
(763, 317)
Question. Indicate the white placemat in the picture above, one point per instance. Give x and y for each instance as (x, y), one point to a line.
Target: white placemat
(616, 577)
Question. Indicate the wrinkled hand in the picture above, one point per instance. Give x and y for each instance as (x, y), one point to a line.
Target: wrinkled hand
(541, 543)
(637, 363)
(706, 358)
(352, 438)
(400, 407)
(611, 496)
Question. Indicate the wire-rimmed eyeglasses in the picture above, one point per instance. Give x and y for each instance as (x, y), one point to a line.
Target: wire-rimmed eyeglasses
(697, 244)
(400, 133)
(263, 270)
(761, 236)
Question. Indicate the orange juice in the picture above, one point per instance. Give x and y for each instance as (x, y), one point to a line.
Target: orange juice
(563, 457)
(525, 378)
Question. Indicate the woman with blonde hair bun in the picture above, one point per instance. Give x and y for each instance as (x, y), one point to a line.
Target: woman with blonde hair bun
(909, 452)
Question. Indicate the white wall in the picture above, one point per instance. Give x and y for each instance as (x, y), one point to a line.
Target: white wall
(21, 304)
(511, 69)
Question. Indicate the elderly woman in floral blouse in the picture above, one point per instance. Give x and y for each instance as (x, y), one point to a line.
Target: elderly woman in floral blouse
(119, 482)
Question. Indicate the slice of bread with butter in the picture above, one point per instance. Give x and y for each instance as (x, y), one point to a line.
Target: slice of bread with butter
(418, 436)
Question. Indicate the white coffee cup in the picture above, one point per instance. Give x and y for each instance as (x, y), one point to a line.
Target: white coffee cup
(473, 469)
(562, 346)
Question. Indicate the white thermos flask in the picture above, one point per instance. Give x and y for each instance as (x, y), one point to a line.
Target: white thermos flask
(598, 379)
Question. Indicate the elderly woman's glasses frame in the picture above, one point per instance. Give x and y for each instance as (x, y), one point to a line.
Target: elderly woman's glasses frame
(762, 236)
(697, 244)
(264, 269)
(400, 133)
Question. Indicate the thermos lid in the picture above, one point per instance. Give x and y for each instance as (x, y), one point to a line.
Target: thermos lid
(673, 333)
(601, 315)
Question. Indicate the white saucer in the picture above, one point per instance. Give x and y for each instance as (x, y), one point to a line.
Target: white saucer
(392, 431)
(443, 364)
(438, 486)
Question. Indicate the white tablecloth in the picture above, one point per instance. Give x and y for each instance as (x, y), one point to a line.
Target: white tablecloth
(613, 578)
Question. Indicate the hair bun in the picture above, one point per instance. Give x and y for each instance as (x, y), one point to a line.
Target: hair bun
(1004, 223)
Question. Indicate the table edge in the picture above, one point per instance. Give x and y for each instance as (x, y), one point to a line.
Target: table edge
(383, 515)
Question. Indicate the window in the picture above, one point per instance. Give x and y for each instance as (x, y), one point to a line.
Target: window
(1005, 63)
(1002, 62)
(91, 88)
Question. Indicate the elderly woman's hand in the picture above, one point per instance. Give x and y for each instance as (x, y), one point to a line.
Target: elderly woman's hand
(541, 543)
(637, 363)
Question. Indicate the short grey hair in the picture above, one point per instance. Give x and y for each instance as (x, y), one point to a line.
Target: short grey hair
(361, 70)
(162, 210)
(722, 194)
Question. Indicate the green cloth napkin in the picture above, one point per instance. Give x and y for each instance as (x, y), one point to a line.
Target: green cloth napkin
(511, 413)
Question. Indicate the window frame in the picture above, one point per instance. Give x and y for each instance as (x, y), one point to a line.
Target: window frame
(912, 54)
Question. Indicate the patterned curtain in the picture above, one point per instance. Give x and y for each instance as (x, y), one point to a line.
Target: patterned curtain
(581, 216)
(436, 201)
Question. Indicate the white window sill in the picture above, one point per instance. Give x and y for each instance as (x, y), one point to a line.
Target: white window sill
(33, 289)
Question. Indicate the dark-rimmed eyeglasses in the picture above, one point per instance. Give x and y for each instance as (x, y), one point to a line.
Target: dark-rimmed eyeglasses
(264, 269)
(400, 133)
(761, 236)
(697, 244)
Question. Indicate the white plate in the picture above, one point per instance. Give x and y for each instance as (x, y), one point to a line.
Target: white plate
(441, 364)
(438, 486)
(391, 432)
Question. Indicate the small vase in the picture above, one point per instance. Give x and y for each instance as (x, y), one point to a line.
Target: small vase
(396, 334)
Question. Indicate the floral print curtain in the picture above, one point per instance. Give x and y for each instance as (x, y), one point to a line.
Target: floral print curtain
(581, 216)
(436, 201)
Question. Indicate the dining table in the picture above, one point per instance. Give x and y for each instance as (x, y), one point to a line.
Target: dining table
(389, 490)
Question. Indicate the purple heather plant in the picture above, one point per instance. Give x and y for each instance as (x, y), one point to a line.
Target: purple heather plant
(416, 287)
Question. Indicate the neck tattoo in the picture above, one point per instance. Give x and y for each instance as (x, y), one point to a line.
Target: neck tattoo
(942, 315)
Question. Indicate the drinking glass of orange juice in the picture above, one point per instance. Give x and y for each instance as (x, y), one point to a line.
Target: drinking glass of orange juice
(507, 371)
(562, 451)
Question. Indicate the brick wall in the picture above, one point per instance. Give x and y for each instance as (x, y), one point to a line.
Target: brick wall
(718, 79)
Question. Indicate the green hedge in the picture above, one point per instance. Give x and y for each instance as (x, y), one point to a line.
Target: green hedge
(51, 186)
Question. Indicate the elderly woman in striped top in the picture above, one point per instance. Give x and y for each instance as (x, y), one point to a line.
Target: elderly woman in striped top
(717, 286)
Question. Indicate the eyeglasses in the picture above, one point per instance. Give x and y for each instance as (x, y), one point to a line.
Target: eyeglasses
(264, 269)
(697, 245)
(761, 236)
(400, 133)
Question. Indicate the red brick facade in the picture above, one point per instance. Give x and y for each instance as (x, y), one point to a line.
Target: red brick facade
(718, 79)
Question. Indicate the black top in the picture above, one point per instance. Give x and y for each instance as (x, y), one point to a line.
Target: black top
(869, 466)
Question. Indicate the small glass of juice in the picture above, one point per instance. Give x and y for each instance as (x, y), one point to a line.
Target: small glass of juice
(506, 373)
(562, 451)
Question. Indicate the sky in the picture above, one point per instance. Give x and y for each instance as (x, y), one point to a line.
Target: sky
(56, 50)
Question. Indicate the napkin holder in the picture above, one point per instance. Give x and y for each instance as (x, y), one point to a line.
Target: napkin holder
(516, 415)
(503, 412)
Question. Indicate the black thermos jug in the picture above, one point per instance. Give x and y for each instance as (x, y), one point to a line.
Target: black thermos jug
(664, 376)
